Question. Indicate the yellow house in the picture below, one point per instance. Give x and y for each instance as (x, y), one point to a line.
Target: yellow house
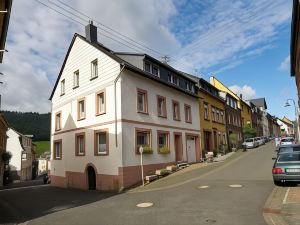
(212, 118)
(245, 112)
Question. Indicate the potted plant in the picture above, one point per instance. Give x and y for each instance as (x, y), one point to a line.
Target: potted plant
(164, 150)
(147, 149)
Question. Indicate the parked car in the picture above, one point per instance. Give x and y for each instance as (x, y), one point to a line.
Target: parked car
(260, 141)
(288, 149)
(286, 168)
(250, 143)
(287, 141)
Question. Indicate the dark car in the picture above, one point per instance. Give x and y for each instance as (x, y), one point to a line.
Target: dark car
(288, 149)
(287, 168)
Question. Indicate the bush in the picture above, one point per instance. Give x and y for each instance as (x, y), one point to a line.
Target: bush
(164, 150)
(164, 172)
(6, 156)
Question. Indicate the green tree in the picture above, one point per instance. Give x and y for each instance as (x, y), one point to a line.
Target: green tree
(248, 131)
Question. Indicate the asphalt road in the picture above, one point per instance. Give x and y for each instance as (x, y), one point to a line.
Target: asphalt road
(182, 203)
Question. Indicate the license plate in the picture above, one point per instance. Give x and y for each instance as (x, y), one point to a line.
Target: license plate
(292, 170)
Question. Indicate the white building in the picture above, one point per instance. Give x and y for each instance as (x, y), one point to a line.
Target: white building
(20, 147)
(106, 105)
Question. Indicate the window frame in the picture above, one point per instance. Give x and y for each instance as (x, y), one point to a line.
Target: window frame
(189, 107)
(60, 119)
(206, 110)
(62, 87)
(92, 70)
(77, 135)
(96, 132)
(159, 132)
(178, 111)
(97, 102)
(142, 130)
(76, 73)
(78, 108)
(164, 107)
(145, 93)
(58, 141)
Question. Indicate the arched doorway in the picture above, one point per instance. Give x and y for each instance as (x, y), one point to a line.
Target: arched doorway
(91, 178)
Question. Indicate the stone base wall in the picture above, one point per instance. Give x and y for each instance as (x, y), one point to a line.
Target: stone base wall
(128, 176)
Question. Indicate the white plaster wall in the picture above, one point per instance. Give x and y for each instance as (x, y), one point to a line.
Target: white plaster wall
(14, 146)
(130, 83)
(80, 57)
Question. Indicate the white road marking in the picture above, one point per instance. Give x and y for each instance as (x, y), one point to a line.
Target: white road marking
(204, 186)
(19, 188)
(235, 185)
(286, 196)
(144, 204)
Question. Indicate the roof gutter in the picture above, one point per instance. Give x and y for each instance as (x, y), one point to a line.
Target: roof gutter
(115, 93)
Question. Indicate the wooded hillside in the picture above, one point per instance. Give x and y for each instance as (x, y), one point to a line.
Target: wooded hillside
(30, 123)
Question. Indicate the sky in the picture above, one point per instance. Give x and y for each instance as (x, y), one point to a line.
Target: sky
(245, 44)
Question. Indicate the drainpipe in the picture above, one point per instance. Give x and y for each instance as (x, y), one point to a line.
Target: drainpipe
(115, 92)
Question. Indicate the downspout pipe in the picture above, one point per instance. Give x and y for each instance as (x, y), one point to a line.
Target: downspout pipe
(115, 93)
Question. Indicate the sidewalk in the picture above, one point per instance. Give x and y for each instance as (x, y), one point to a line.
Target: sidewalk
(27, 183)
(283, 206)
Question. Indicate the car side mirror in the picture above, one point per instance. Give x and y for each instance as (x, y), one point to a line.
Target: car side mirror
(274, 158)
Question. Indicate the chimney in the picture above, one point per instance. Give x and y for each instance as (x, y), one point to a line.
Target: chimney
(241, 96)
(91, 32)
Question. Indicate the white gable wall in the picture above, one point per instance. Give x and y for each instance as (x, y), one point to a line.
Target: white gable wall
(14, 146)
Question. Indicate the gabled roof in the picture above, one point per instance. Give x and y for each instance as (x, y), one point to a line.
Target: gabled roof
(259, 102)
(123, 62)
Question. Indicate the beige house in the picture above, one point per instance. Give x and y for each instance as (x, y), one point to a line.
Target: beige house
(105, 105)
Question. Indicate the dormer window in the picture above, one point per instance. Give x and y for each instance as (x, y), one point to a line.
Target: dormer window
(153, 69)
(190, 87)
(173, 79)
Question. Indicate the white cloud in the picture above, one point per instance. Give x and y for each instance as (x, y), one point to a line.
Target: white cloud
(247, 91)
(223, 36)
(285, 65)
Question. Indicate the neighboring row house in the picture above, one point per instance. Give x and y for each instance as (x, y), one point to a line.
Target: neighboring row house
(261, 104)
(106, 105)
(23, 154)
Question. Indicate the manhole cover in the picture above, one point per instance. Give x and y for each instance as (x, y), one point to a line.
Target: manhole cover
(203, 187)
(211, 221)
(144, 204)
(235, 185)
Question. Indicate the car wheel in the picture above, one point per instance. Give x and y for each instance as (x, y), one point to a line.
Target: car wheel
(278, 183)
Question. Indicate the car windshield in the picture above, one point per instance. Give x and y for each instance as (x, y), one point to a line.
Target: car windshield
(289, 157)
(249, 140)
(290, 149)
(287, 140)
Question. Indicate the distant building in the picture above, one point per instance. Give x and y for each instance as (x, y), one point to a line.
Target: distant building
(290, 126)
(261, 104)
(3, 141)
(44, 163)
(22, 155)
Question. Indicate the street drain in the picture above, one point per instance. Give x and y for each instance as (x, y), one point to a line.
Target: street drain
(203, 187)
(210, 221)
(144, 204)
(235, 185)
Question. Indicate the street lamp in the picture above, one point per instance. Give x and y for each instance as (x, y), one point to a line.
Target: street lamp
(287, 104)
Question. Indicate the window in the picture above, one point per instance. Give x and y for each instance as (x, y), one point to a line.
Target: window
(229, 119)
(176, 110)
(142, 102)
(81, 109)
(217, 115)
(221, 117)
(80, 144)
(62, 87)
(101, 142)
(143, 138)
(161, 106)
(76, 79)
(155, 70)
(189, 87)
(58, 121)
(94, 69)
(205, 111)
(213, 118)
(163, 141)
(173, 79)
(147, 67)
(57, 149)
(188, 113)
(100, 103)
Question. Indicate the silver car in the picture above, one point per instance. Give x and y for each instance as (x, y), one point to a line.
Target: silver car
(250, 143)
(287, 141)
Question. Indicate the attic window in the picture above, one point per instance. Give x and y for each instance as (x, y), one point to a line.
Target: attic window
(147, 67)
(62, 87)
(150, 68)
(94, 69)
